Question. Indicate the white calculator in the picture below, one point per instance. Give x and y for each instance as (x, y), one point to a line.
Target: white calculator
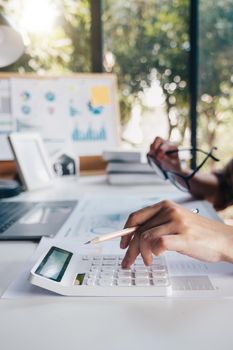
(69, 273)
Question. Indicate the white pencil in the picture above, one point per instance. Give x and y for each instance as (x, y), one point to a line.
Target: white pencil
(120, 233)
(112, 235)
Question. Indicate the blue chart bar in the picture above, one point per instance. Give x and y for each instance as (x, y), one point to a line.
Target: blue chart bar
(89, 135)
(20, 126)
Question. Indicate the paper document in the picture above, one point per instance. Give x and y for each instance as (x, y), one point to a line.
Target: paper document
(101, 214)
(191, 277)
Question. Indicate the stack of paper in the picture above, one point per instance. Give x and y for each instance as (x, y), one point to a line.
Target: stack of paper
(128, 167)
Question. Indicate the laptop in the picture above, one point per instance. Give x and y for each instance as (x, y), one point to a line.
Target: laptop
(32, 220)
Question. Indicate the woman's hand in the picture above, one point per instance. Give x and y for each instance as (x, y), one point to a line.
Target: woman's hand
(169, 226)
(158, 151)
(201, 186)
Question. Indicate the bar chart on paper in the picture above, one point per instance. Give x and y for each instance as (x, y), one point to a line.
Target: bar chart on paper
(89, 135)
(92, 115)
(78, 114)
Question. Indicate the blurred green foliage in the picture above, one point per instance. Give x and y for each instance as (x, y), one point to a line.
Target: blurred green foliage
(66, 48)
(216, 76)
(150, 40)
(145, 40)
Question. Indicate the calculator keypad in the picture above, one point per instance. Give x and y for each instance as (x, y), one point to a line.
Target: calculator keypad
(106, 271)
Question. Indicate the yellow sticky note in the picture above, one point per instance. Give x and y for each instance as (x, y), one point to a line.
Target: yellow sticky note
(100, 96)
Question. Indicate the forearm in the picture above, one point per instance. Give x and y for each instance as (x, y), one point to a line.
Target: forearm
(217, 187)
(205, 187)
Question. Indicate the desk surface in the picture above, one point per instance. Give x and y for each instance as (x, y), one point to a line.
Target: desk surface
(105, 323)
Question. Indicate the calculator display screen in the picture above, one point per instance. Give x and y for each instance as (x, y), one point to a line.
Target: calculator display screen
(54, 264)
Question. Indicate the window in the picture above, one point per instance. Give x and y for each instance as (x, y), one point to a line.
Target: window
(146, 43)
(215, 107)
(56, 34)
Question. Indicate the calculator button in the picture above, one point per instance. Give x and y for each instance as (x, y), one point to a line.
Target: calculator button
(140, 269)
(159, 274)
(158, 267)
(109, 263)
(106, 282)
(124, 282)
(98, 258)
(141, 274)
(92, 274)
(160, 282)
(90, 282)
(139, 263)
(124, 273)
(121, 269)
(108, 274)
(110, 257)
(95, 269)
(142, 282)
(107, 268)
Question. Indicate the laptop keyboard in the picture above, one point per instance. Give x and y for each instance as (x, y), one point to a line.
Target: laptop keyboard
(10, 212)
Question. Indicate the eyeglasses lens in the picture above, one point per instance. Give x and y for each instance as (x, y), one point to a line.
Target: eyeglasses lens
(155, 166)
(178, 181)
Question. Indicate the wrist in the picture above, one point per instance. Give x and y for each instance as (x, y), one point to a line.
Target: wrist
(227, 246)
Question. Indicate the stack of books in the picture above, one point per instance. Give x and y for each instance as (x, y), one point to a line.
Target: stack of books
(128, 167)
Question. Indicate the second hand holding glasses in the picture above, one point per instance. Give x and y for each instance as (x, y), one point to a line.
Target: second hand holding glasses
(179, 180)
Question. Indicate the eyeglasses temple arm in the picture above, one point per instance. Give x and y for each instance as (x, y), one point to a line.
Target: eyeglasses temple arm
(209, 154)
(201, 164)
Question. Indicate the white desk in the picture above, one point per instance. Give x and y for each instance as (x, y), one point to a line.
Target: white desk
(105, 323)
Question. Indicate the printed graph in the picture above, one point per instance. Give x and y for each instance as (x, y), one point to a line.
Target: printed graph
(89, 135)
(104, 223)
(22, 126)
(95, 110)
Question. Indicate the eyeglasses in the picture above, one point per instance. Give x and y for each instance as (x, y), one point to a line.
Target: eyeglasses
(177, 179)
